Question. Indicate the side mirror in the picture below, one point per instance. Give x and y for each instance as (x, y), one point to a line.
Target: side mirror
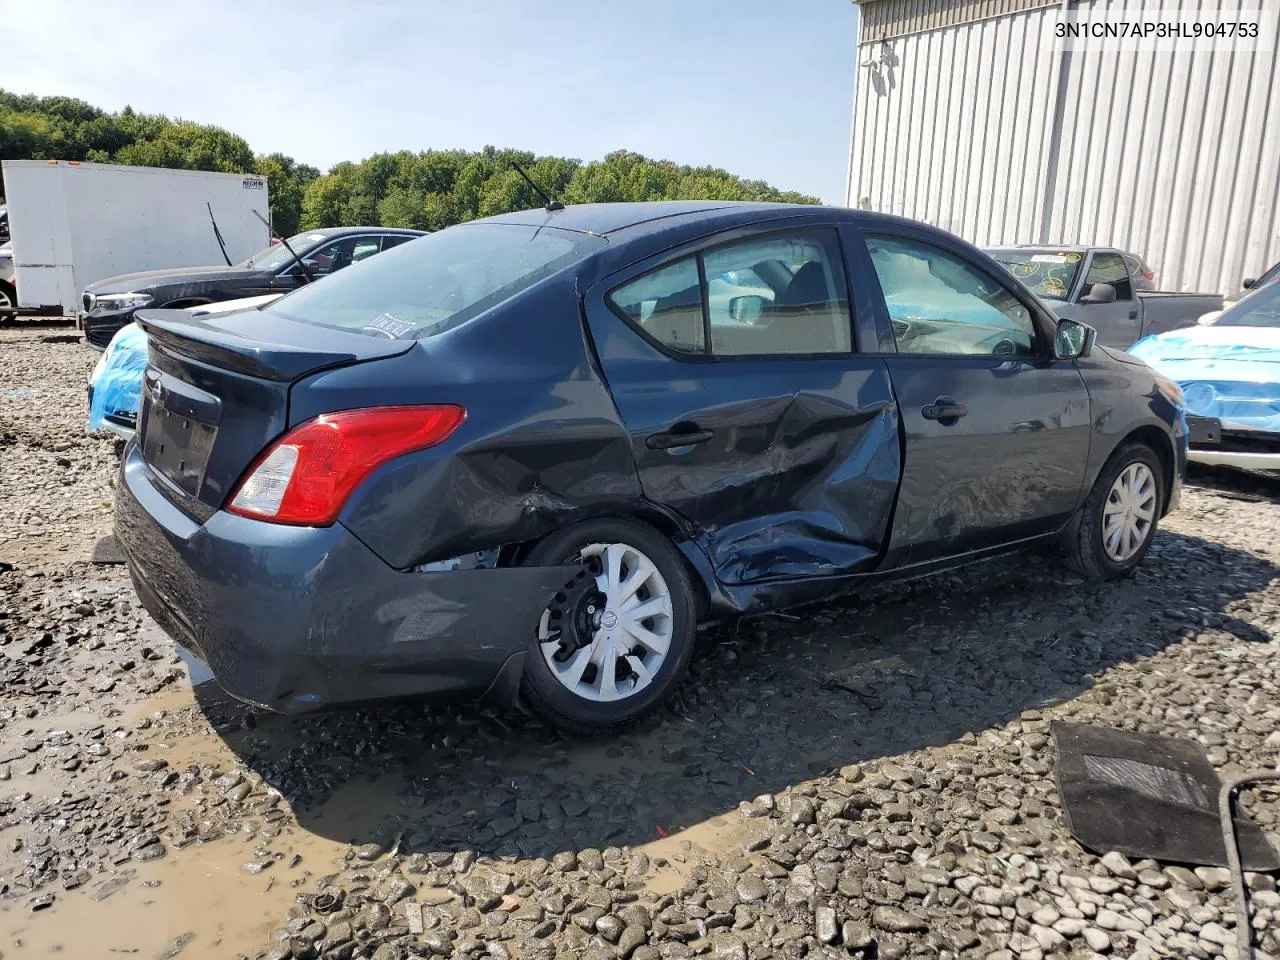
(1074, 340)
(1206, 319)
(1100, 293)
(1249, 282)
(746, 309)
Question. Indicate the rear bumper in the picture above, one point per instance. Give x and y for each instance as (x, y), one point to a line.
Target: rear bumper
(294, 619)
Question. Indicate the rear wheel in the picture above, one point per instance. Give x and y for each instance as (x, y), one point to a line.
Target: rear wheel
(617, 637)
(1114, 528)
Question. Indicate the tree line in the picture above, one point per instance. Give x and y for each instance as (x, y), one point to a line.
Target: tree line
(427, 190)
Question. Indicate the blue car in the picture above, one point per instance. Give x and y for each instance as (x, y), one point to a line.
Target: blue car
(1228, 367)
(526, 455)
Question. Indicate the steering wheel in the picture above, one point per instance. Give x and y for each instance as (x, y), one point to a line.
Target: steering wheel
(1005, 348)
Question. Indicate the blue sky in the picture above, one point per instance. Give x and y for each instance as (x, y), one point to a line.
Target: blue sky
(762, 88)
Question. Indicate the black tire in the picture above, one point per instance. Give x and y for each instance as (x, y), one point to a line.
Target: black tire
(8, 298)
(551, 700)
(1085, 550)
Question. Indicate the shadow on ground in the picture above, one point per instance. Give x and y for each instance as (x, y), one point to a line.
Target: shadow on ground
(769, 703)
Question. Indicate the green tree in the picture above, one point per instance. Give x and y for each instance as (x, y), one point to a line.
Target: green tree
(428, 190)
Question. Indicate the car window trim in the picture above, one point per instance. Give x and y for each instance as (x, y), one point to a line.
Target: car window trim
(698, 249)
(1040, 318)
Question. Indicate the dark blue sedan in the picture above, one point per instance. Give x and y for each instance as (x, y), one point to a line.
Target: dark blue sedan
(526, 455)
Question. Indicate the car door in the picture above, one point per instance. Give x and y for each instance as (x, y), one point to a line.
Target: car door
(1119, 323)
(996, 431)
(753, 422)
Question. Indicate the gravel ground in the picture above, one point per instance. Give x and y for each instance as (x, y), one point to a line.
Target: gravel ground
(868, 778)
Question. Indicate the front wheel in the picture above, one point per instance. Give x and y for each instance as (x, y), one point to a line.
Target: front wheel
(8, 297)
(1113, 530)
(616, 639)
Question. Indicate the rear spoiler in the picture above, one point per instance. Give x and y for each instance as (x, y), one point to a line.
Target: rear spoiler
(262, 356)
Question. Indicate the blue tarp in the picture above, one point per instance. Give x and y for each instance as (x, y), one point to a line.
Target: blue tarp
(1228, 372)
(117, 379)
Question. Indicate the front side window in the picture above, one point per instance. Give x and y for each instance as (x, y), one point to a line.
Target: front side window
(423, 288)
(939, 304)
(779, 295)
(332, 257)
(1109, 268)
(277, 255)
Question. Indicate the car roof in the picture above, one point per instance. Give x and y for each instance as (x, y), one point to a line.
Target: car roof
(343, 231)
(603, 219)
(1065, 247)
(1069, 247)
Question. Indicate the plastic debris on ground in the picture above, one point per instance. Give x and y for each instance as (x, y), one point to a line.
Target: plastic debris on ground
(117, 379)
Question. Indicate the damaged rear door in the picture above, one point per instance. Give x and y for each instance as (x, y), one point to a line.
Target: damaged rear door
(751, 416)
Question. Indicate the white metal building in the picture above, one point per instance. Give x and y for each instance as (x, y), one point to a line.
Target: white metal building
(968, 115)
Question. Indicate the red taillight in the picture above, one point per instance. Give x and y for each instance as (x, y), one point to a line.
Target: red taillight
(307, 475)
(1150, 274)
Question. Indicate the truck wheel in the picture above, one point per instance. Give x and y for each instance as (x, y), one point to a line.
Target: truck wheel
(1113, 530)
(8, 297)
(616, 639)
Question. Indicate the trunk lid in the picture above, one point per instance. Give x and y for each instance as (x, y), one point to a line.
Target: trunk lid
(216, 392)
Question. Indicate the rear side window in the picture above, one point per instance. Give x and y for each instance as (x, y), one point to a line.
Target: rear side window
(667, 305)
(423, 288)
(1109, 268)
(777, 295)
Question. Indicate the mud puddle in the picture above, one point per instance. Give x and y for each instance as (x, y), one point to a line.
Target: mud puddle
(716, 839)
(199, 900)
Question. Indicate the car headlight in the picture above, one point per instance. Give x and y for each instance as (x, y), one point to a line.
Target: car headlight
(1171, 391)
(1200, 398)
(122, 301)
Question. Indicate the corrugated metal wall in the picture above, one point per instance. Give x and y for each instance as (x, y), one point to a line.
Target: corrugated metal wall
(883, 19)
(1170, 155)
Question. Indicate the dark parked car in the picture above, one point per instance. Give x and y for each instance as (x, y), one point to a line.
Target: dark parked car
(110, 304)
(532, 452)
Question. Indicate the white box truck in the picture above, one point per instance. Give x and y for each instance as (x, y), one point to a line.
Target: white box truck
(74, 224)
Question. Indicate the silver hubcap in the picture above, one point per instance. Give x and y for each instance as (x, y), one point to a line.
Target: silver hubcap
(629, 628)
(1129, 513)
(4, 299)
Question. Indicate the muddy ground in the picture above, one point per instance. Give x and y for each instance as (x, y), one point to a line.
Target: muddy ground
(873, 777)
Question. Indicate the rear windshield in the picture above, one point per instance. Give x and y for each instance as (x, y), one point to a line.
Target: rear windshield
(423, 288)
(1049, 274)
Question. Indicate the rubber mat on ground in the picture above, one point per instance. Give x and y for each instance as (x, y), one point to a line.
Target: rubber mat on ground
(106, 551)
(1148, 796)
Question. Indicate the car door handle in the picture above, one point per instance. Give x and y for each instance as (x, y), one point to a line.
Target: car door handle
(1133, 314)
(677, 438)
(944, 409)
